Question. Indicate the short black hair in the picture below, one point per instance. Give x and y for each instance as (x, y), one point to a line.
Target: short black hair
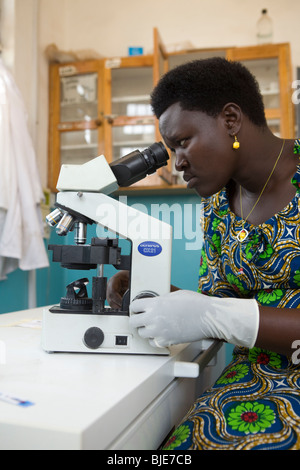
(207, 85)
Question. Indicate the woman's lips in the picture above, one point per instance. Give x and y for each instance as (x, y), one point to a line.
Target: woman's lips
(191, 180)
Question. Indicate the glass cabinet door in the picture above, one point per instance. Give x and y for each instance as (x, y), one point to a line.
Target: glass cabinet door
(266, 72)
(131, 137)
(271, 65)
(130, 91)
(79, 97)
(129, 121)
(75, 130)
(77, 147)
(131, 115)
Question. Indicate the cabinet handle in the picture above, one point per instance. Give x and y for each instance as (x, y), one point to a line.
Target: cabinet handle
(110, 117)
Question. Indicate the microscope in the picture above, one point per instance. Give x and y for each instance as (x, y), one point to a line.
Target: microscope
(83, 322)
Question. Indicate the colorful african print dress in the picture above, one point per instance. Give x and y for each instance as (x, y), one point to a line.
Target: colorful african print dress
(255, 404)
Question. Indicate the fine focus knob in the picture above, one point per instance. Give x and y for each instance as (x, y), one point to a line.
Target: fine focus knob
(145, 294)
(93, 338)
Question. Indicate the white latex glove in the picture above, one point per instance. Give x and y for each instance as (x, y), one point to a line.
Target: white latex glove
(186, 316)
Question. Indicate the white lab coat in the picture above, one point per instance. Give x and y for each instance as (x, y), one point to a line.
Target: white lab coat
(21, 238)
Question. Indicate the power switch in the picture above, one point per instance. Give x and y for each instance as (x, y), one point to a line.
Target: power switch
(121, 340)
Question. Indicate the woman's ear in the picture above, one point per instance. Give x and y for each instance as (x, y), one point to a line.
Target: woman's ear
(232, 117)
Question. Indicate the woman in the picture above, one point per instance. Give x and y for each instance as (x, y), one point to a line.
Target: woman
(211, 115)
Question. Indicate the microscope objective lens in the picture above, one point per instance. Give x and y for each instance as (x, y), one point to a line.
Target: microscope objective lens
(54, 217)
(80, 233)
(65, 225)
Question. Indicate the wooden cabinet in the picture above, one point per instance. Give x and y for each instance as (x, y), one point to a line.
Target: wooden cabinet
(103, 106)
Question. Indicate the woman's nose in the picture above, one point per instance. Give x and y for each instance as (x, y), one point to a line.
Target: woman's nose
(180, 162)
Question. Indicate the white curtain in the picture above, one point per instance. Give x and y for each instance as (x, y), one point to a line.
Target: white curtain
(21, 238)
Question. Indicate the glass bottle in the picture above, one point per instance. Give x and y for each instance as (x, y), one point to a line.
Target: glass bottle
(264, 29)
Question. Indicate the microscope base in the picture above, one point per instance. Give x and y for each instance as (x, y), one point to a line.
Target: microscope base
(90, 333)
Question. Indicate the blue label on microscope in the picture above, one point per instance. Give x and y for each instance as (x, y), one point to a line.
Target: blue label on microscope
(150, 248)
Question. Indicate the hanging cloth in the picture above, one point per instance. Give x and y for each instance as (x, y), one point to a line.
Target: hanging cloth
(21, 227)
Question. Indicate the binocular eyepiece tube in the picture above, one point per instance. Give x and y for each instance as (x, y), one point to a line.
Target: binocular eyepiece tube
(137, 165)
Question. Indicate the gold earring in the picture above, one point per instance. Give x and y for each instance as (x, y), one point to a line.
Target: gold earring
(236, 144)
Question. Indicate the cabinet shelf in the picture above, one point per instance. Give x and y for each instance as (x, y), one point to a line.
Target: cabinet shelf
(79, 147)
(77, 105)
(130, 99)
(131, 120)
(132, 143)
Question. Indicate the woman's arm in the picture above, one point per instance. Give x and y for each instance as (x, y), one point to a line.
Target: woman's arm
(278, 329)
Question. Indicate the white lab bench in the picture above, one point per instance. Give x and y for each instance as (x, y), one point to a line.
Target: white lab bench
(93, 401)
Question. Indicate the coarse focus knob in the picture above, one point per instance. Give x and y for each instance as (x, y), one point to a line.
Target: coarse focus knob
(93, 338)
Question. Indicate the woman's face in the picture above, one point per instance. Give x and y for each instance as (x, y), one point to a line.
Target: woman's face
(203, 148)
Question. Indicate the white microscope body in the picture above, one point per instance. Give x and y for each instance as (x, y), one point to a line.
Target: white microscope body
(83, 199)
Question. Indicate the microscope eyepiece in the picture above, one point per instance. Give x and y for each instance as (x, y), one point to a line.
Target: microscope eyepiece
(136, 165)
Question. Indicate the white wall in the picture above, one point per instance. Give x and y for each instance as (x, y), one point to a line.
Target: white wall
(110, 26)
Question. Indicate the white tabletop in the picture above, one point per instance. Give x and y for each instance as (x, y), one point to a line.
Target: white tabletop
(79, 400)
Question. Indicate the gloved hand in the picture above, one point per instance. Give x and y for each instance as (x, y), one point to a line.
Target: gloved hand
(186, 316)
